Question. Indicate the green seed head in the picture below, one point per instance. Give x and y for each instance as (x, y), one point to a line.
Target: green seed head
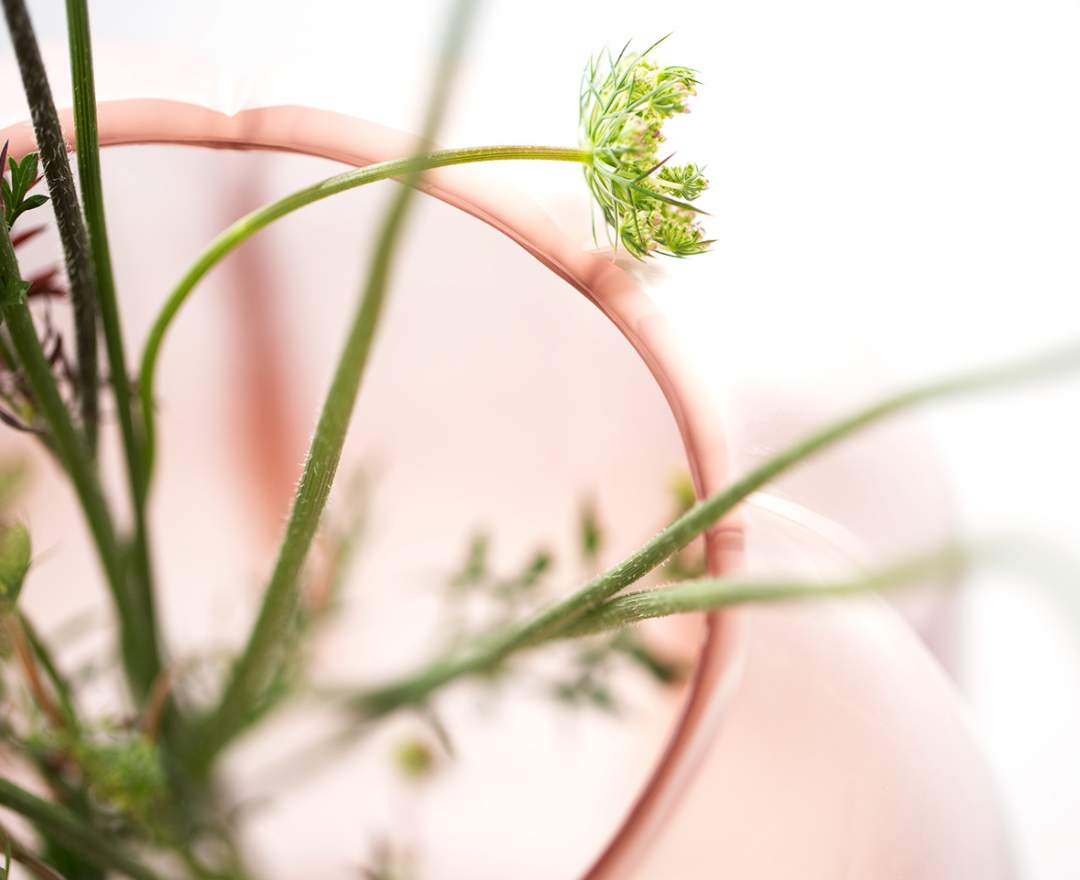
(645, 202)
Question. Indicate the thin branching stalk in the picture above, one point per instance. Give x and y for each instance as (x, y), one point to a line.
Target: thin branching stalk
(70, 448)
(65, 203)
(68, 829)
(709, 594)
(489, 650)
(248, 225)
(87, 154)
(259, 662)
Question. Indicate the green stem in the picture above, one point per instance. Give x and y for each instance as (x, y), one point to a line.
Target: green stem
(87, 154)
(19, 853)
(69, 221)
(701, 594)
(259, 219)
(71, 449)
(65, 827)
(709, 594)
(268, 642)
(61, 685)
(551, 621)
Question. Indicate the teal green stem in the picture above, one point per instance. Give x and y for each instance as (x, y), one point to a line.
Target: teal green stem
(547, 623)
(259, 219)
(87, 153)
(71, 449)
(65, 205)
(66, 828)
(267, 645)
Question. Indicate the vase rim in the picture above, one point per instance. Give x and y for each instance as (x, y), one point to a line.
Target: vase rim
(614, 291)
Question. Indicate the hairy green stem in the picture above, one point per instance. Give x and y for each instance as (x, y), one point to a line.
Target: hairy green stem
(65, 203)
(70, 447)
(259, 219)
(699, 594)
(551, 621)
(87, 153)
(267, 645)
(708, 594)
(66, 828)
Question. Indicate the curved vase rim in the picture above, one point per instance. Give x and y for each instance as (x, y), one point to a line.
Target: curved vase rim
(616, 293)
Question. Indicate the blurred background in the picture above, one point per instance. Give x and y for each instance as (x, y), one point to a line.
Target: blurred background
(894, 194)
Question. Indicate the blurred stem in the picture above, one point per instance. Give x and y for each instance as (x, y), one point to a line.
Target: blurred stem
(65, 204)
(26, 858)
(557, 618)
(66, 828)
(267, 645)
(247, 226)
(61, 686)
(48, 707)
(87, 154)
(71, 449)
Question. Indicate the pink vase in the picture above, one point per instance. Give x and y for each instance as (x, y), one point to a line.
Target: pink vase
(819, 741)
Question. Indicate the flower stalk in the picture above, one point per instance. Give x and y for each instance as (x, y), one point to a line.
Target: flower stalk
(87, 155)
(69, 220)
(72, 451)
(247, 226)
(258, 664)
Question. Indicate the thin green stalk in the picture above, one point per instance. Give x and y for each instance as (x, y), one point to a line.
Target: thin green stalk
(26, 858)
(65, 203)
(87, 154)
(549, 622)
(266, 646)
(66, 828)
(247, 226)
(699, 594)
(71, 449)
(43, 655)
(709, 594)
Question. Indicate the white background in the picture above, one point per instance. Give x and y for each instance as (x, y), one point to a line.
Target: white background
(895, 192)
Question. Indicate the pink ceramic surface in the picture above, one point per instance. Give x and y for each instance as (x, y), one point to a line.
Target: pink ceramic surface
(814, 741)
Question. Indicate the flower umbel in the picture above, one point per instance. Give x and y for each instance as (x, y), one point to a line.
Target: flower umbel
(646, 203)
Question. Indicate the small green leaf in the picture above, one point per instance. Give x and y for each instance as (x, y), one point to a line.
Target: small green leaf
(663, 670)
(31, 202)
(30, 169)
(9, 197)
(535, 569)
(475, 568)
(14, 562)
(592, 536)
(18, 179)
